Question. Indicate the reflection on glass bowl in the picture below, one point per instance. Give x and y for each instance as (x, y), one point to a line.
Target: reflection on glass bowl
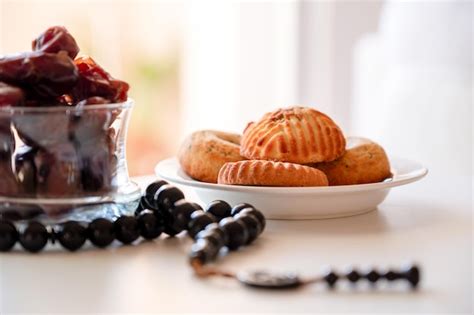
(58, 162)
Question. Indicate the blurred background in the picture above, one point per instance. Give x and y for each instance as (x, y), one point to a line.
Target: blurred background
(397, 72)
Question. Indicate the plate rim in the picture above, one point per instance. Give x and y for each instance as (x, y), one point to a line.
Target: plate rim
(413, 176)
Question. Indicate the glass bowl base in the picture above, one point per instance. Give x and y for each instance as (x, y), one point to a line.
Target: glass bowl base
(84, 209)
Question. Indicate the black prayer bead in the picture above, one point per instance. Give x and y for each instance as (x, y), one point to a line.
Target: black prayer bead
(257, 214)
(218, 229)
(236, 231)
(219, 209)
(126, 229)
(331, 278)
(353, 275)
(101, 232)
(71, 235)
(148, 199)
(166, 196)
(34, 237)
(181, 213)
(239, 207)
(196, 205)
(372, 276)
(169, 228)
(204, 251)
(151, 189)
(199, 220)
(197, 254)
(147, 203)
(412, 275)
(213, 236)
(150, 225)
(8, 235)
(252, 224)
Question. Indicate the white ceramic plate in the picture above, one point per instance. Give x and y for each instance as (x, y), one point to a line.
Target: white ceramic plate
(293, 203)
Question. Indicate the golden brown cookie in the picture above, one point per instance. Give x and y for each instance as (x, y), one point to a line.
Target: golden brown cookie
(270, 173)
(204, 152)
(364, 162)
(296, 134)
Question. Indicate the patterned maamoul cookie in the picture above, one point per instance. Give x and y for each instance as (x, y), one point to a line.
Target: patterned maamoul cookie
(297, 134)
(364, 162)
(270, 173)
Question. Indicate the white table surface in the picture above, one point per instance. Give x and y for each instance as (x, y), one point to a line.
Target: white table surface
(429, 222)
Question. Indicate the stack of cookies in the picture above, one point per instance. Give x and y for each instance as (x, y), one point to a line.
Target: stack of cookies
(296, 146)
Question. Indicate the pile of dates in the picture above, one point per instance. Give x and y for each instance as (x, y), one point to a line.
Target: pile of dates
(57, 153)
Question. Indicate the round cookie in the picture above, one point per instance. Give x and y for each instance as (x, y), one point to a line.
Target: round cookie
(204, 152)
(270, 173)
(364, 162)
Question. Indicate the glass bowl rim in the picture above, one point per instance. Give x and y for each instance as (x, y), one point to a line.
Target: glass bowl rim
(67, 109)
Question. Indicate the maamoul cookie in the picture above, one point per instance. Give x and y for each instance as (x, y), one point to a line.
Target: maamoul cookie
(364, 162)
(204, 152)
(297, 134)
(270, 173)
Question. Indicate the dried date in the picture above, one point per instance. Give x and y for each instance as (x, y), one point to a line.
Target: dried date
(46, 75)
(56, 39)
(43, 129)
(8, 186)
(94, 81)
(57, 171)
(11, 95)
(97, 166)
(94, 100)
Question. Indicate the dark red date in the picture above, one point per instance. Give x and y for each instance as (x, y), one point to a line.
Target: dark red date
(95, 81)
(57, 171)
(46, 75)
(55, 39)
(11, 95)
(94, 100)
(67, 99)
(97, 165)
(8, 186)
(43, 129)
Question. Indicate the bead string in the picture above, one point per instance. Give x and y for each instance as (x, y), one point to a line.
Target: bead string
(285, 281)
(163, 209)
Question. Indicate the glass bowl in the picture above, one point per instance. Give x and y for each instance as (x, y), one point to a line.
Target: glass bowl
(62, 163)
